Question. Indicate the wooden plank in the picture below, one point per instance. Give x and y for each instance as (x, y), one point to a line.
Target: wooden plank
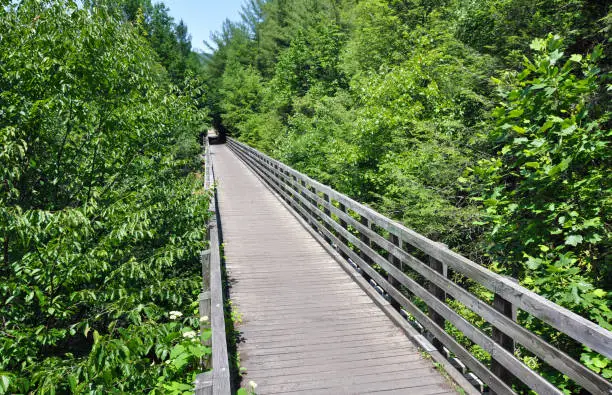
(507, 342)
(551, 355)
(395, 261)
(526, 375)
(204, 384)
(220, 358)
(375, 356)
(205, 312)
(205, 262)
(364, 237)
(317, 374)
(354, 343)
(529, 377)
(439, 293)
(473, 363)
(575, 326)
(365, 384)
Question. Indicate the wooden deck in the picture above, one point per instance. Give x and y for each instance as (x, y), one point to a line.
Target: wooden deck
(307, 326)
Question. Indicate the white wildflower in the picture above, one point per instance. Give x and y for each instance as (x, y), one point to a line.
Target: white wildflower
(190, 334)
(175, 314)
(204, 319)
(253, 385)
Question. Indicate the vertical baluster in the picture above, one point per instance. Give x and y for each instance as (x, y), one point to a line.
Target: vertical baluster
(327, 212)
(316, 213)
(343, 223)
(296, 202)
(438, 293)
(304, 205)
(365, 239)
(204, 301)
(509, 310)
(397, 263)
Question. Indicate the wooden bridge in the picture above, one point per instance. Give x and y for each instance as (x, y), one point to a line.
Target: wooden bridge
(330, 297)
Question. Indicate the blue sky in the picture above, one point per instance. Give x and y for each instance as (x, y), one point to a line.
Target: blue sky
(203, 17)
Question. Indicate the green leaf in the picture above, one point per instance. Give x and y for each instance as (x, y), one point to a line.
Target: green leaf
(177, 350)
(4, 383)
(534, 263)
(180, 361)
(555, 56)
(600, 293)
(573, 240)
(576, 58)
(72, 381)
(538, 44)
(599, 362)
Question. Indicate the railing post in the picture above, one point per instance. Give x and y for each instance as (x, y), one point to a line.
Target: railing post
(316, 213)
(438, 293)
(395, 262)
(304, 205)
(287, 185)
(327, 212)
(204, 384)
(204, 302)
(509, 310)
(365, 239)
(295, 191)
(205, 261)
(343, 223)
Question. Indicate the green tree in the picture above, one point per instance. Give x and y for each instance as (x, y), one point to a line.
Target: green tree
(101, 212)
(548, 189)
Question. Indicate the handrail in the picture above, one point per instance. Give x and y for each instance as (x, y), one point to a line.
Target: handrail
(373, 238)
(217, 380)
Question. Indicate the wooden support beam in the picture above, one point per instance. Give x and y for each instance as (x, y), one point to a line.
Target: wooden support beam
(438, 293)
(509, 310)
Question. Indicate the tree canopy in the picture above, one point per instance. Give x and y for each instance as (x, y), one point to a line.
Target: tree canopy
(102, 213)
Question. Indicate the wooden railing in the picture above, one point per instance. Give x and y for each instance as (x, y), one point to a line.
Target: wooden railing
(365, 237)
(217, 380)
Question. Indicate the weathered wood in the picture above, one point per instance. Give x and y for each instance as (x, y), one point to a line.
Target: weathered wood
(363, 236)
(529, 377)
(582, 330)
(205, 312)
(438, 293)
(475, 365)
(554, 357)
(220, 361)
(343, 224)
(205, 261)
(327, 213)
(244, 201)
(507, 342)
(211, 306)
(395, 261)
(204, 384)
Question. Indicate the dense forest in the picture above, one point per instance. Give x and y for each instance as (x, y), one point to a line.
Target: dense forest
(482, 124)
(102, 213)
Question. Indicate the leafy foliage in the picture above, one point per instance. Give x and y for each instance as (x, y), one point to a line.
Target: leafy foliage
(101, 212)
(548, 192)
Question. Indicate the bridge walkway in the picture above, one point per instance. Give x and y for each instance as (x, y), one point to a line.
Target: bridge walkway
(306, 325)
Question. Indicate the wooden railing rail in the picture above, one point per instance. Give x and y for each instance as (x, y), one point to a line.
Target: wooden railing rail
(217, 380)
(366, 237)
